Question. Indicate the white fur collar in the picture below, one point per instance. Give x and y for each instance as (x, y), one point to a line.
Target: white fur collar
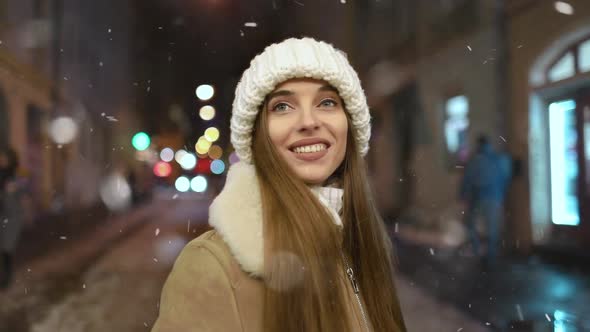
(236, 215)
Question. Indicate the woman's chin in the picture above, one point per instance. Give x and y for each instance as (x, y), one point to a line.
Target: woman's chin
(312, 177)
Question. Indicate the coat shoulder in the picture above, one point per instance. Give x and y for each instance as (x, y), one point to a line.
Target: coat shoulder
(216, 246)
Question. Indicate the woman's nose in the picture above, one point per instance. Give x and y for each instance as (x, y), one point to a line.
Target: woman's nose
(308, 119)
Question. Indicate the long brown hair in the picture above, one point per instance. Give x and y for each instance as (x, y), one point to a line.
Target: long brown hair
(303, 267)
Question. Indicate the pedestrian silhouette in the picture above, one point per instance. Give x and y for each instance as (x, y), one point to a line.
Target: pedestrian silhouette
(483, 190)
(11, 213)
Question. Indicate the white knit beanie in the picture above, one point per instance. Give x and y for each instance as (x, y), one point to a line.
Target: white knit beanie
(296, 58)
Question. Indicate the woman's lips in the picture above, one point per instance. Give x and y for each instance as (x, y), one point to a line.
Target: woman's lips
(310, 156)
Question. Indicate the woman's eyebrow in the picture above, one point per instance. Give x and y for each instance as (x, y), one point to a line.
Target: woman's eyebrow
(278, 93)
(328, 87)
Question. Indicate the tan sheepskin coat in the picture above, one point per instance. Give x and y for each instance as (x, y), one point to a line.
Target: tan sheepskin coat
(215, 283)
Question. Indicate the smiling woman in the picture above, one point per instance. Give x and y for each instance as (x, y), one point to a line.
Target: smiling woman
(297, 243)
(308, 127)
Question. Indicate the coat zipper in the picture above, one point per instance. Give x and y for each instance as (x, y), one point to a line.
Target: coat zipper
(355, 288)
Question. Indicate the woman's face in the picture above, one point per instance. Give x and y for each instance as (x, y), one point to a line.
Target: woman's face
(308, 127)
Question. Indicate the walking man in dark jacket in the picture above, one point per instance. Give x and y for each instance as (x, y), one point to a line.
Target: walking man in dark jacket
(483, 190)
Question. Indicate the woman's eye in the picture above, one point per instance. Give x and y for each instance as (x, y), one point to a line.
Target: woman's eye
(328, 103)
(280, 107)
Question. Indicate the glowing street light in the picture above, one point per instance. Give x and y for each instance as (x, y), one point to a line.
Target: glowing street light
(141, 141)
(207, 112)
(212, 134)
(63, 130)
(199, 184)
(205, 92)
(202, 145)
(182, 184)
(167, 154)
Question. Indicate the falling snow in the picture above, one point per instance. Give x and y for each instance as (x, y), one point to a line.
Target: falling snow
(251, 24)
(469, 48)
(157, 231)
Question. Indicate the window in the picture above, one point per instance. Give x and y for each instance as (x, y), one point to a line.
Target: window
(584, 56)
(575, 60)
(456, 125)
(564, 163)
(563, 68)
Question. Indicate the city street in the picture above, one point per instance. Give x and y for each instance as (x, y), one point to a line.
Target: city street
(119, 289)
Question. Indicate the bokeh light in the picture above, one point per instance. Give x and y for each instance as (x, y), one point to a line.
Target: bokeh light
(179, 154)
(141, 141)
(167, 154)
(188, 161)
(115, 192)
(212, 134)
(205, 92)
(215, 152)
(204, 166)
(199, 184)
(63, 130)
(217, 166)
(182, 184)
(233, 158)
(202, 145)
(162, 169)
(207, 112)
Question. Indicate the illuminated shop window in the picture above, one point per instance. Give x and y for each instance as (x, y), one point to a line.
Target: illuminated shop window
(456, 125)
(564, 163)
(574, 61)
(584, 56)
(563, 68)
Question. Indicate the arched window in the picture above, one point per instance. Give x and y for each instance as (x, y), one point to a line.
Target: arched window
(573, 61)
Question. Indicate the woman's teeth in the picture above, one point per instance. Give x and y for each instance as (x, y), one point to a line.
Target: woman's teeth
(310, 148)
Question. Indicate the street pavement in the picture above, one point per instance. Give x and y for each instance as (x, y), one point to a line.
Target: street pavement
(515, 295)
(118, 288)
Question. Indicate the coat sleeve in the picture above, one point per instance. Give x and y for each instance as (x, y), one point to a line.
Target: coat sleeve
(197, 296)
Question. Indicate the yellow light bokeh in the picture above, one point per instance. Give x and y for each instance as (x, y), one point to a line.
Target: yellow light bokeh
(207, 112)
(215, 152)
(203, 145)
(212, 134)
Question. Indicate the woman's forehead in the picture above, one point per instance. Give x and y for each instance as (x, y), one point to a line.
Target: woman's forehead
(307, 82)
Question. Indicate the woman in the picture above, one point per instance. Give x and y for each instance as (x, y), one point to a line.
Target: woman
(297, 243)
